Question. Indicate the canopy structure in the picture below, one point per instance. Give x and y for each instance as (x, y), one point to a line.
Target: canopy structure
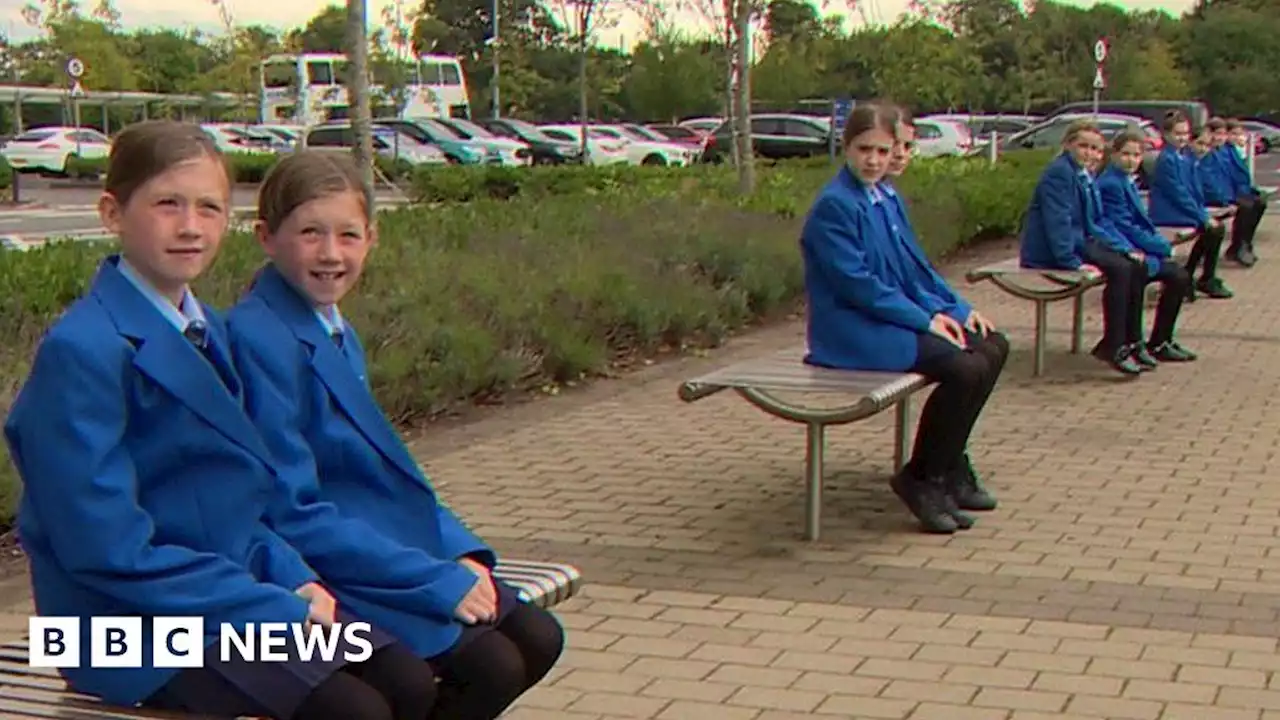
(19, 95)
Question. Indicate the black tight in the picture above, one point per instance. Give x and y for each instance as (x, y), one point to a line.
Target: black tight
(393, 684)
(965, 380)
(484, 676)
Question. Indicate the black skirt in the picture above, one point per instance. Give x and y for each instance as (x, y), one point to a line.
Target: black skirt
(240, 687)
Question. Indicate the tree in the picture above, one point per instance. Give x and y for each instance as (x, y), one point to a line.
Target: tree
(357, 82)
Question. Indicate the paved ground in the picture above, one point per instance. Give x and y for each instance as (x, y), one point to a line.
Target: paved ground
(1133, 570)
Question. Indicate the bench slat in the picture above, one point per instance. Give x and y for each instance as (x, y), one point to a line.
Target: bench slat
(35, 692)
(788, 372)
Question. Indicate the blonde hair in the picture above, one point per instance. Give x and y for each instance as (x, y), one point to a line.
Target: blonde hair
(145, 150)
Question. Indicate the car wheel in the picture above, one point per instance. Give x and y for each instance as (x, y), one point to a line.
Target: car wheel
(654, 159)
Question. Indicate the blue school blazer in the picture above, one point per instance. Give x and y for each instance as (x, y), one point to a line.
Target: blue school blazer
(1175, 194)
(1233, 165)
(144, 484)
(1124, 210)
(1062, 217)
(1215, 185)
(859, 284)
(937, 295)
(335, 447)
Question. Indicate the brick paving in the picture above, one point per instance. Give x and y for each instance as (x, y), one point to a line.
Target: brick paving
(1132, 571)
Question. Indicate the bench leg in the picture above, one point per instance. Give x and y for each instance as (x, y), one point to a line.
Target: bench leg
(1077, 324)
(901, 434)
(1037, 351)
(815, 439)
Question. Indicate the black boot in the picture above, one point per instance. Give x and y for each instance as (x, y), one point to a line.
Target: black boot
(967, 490)
(927, 500)
(1120, 359)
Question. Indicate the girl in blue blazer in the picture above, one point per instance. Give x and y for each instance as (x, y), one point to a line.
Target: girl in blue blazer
(874, 303)
(966, 487)
(307, 390)
(1065, 229)
(145, 484)
(1126, 215)
(1176, 200)
(1229, 143)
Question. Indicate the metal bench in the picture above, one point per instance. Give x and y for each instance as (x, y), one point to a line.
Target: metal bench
(27, 693)
(1048, 286)
(870, 393)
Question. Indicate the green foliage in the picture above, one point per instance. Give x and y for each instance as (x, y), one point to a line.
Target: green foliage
(247, 168)
(511, 281)
(6, 177)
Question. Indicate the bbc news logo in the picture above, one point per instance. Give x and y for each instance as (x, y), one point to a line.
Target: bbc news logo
(178, 642)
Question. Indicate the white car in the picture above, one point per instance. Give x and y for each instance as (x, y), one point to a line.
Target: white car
(48, 149)
(232, 138)
(600, 150)
(514, 153)
(936, 137)
(642, 150)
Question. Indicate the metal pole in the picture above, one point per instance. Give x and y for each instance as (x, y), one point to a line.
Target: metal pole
(994, 148)
(1097, 96)
(497, 105)
(1249, 153)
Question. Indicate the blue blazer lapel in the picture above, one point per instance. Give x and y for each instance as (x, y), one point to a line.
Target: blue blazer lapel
(172, 362)
(333, 368)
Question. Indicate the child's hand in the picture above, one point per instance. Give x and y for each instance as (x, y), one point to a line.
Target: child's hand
(323, 608)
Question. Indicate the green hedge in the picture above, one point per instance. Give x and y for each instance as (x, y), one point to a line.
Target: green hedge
(6, 178)
(247, 168)
(576, 271)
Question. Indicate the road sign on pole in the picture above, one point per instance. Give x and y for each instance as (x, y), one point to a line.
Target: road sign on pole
(75, 68)
(1100, 51)
(1099, 82)
(840, 109)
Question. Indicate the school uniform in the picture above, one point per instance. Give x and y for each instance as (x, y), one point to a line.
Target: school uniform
(1176, 199)
(145, 485)
(872, 295)
(1126, 215)
(307, 389)
(1066, 228)
(1250, 205)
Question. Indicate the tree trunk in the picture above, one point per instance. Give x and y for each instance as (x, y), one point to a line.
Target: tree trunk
(357, 41)
(731, 78)
(584, 21)
(742, 97)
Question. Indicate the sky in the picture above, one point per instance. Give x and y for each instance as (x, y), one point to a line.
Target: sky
(284, 14)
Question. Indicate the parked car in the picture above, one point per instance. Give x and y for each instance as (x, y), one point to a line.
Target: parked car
(515, 153)
(600, 150)
(1049, 133)
(642, 149)
(981, 126)
(388, 142)
(681, 134)
(545, 149)
(776, 136)
(1153, 110)
(942, 137)
(1268, 135)
(48, 149)
(705, 124)
(429, 132)
(233, 138)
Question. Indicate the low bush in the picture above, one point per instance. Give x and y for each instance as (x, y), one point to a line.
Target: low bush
(570, 274)
(246, 168)
(6, 178)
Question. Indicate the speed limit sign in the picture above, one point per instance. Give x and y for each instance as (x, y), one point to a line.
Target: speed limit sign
(75, 68)
(1100, 51)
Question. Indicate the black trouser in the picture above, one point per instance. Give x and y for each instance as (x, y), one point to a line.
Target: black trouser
(965, 380)
(393, 684)
(483, 677)
(1121, 296)
(1174, 282)
(1249, 211)
(1207, 247)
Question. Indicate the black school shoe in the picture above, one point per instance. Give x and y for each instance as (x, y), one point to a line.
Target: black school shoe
(1121, 359)
(928, 501)
(967, 490)
(1171, 352)
(1215, 288)
(1143, 358)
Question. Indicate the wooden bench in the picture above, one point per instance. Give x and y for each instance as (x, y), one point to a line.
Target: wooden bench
(1043, 287)
(869, 393)
(27, 693)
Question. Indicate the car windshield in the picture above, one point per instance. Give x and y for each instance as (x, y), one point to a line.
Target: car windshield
(438, 128)
(471, 128)
(645, 133)
(604, 132)
(35, 136)
(528, 130)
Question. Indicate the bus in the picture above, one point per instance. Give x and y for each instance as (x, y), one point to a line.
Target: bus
(306, 88)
